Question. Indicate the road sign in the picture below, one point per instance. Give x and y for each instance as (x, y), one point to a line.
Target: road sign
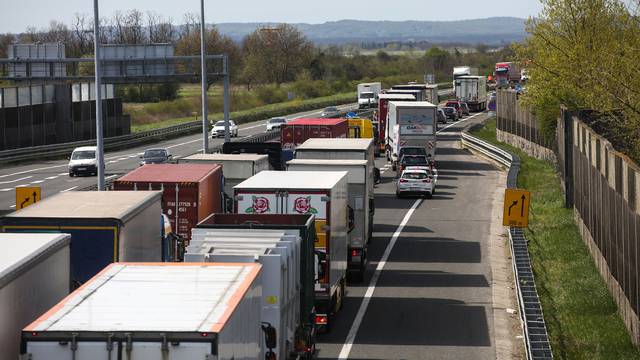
(26, 196)
(516, 207)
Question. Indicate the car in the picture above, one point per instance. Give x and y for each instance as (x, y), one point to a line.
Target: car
(441, 117)
(456, 105)
(155, 156)
(274, 123)
(83, 161)
(409, 150)
(219, 130)
(465, 108)
(330, 112)
(416, 181)
(413, 160)
(450, 113)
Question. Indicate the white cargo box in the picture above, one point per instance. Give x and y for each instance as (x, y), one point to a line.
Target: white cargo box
(155, 311)
(34, 276)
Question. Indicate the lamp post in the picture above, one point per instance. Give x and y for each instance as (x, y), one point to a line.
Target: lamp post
(99, 139)
(203, 71)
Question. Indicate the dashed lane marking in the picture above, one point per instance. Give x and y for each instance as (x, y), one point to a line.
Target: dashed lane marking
(69, 189)
(16, 180)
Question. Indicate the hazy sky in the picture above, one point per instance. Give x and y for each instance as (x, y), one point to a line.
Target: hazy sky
(17, 15)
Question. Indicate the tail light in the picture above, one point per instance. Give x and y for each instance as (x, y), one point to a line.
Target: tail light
(322, 319)
(426, 180)
(355, 252)
(403, 180)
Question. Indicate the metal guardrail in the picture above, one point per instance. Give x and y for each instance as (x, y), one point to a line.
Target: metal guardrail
(536, 338)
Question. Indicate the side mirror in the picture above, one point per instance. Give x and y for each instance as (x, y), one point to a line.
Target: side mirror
(321, 262)
(270, 336)
(352, 218)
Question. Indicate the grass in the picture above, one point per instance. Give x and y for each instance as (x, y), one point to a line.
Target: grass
(581, 316)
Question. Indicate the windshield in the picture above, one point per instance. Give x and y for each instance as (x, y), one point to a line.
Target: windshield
(330, 109)
(415, 175)
(455, 105)
(155, 153)
(366, 95)
(276, 121)
(221, 123)
(412, 151)
(83, 155)
(414, 160)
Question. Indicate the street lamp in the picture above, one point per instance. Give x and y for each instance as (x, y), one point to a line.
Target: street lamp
(203, 71)
(99, 139)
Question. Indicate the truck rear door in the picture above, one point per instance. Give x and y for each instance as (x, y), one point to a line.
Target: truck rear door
(54, 350)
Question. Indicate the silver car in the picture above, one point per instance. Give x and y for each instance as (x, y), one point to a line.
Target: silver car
(219, 129)
(416, 181)
(330, 112)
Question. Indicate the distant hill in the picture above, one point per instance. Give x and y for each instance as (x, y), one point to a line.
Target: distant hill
(492, 31)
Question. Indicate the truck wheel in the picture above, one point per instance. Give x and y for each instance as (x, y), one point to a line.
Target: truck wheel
(393, 166)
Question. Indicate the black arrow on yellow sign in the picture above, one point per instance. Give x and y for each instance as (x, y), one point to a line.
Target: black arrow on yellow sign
(512, 205)
(522, 207)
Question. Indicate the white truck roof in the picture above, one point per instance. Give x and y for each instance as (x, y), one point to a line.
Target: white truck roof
(226, 157)
(471, 77)
(397, 96)
(336, 143)
(327, 162)
(153, 297)
(355, 175)
(21, 249)
(413, 104)
(91, 204)
(292, 180)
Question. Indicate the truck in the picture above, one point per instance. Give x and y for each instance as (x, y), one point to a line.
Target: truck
(368, 94)
(177, 311)
(235, 168)
(297, 131)
(506, 73)
(302, 192)
(419, 94)
(273, 149)
(105, 227)
(473, 91)
(34, 276)
(190, 192)
(302, 226)
(360, 128)
(360, 200)
(380, 118)
(463, 71)
(430, 91)
(410, 124)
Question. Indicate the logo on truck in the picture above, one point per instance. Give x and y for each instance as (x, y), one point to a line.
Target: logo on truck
(302, 205)
(260, 205)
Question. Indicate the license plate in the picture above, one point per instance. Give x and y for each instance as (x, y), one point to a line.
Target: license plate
(81, 169)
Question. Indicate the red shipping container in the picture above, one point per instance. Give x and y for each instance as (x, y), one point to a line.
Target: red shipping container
(191, 192)
(297, 131)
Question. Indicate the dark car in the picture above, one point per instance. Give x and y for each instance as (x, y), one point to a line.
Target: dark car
(456, 105)
(441, 116)
(450, 113)
(413, 160)
(412, 150)
(465, 109)
(155, 156)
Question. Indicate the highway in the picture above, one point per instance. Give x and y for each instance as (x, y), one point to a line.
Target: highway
(52, 176)
(428, 290)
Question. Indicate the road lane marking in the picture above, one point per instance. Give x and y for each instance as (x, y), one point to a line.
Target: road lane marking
(51, 177)
(16, 180)
(69, 189)
(37, 181)
(64, 173)
(12, 206)
(5, 190)
(351, 337)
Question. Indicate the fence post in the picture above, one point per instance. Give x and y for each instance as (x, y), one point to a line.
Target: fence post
(567, 119)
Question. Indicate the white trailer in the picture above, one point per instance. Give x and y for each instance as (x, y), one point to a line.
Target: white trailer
(368, 94)
(459, 71)
(280, 260)
(34, 276)
(429, 91)
(473, 91)
(150, 311)
(302, 192)
(411, 124)
(359, 190)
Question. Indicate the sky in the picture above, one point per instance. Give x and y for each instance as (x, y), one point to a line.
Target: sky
(16, 16)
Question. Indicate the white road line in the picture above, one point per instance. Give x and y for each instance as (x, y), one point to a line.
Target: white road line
(69, 189)
(51, 177)
(16, 180)
(5, 190)
(110, 177)
(12, 206)
(22, 185)
(64, 173)
(112, 162)
(37, 181)
(351, 337)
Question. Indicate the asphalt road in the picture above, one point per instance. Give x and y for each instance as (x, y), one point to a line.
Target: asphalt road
(427, 292)
(52, 176)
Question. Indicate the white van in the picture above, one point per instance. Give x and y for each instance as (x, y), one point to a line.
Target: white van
(83, 161)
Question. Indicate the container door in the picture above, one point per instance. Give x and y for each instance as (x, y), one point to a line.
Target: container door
(45, 350)
(257, 203)
(173, 351)
(288, 141)
(180, 204)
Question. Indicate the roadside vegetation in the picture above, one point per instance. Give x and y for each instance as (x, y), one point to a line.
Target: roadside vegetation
(581, 316)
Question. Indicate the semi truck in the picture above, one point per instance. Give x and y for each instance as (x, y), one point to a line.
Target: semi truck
(410, 124)
(105, 227)
(34, 276)
(297, 131)
(430, 91)
(360, 200)
(190, 192)
(368, 94)
(302, 192)
(419, 94)
(380, 119)
(272, 149)
(177, 311)
(302, 226)
(473, 91)
(506, 73)
(463, 71)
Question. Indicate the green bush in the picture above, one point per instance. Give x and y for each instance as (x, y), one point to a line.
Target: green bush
(271, 94)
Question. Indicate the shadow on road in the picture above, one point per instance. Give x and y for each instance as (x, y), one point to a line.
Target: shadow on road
(418, 278)
(441, 250)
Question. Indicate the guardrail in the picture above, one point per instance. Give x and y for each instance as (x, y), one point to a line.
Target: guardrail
(536, 338)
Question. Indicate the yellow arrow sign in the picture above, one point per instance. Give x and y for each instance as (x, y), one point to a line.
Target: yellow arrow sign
(516, 208)
(26, 196)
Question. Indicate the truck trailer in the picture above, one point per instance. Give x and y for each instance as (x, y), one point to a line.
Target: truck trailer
(105, 227)
(411, 124)
(302, 226)
(34, 276)
(380, 118)
(506, 73)
(360, 200)
(190, 192)
(302, 192)
(473, 91)
(177, 311)
(368, 94)
(273, 149)
(419, 94)
(295, 132)
(430, 91)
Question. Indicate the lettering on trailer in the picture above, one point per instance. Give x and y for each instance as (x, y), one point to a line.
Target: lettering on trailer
(27, 195)
(516, 207)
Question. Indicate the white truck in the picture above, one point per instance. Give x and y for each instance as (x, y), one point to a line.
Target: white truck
(360, 186)
(34, 276)
(411, 124)
(463, 71)
(279, 255)
(368, 94)
(150, 311)
(303, 192)
(473, 91)
(429, 91)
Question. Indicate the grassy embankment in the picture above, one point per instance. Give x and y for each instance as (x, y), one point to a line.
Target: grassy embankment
(581, 316)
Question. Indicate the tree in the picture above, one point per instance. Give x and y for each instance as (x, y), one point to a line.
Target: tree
(276, 55)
